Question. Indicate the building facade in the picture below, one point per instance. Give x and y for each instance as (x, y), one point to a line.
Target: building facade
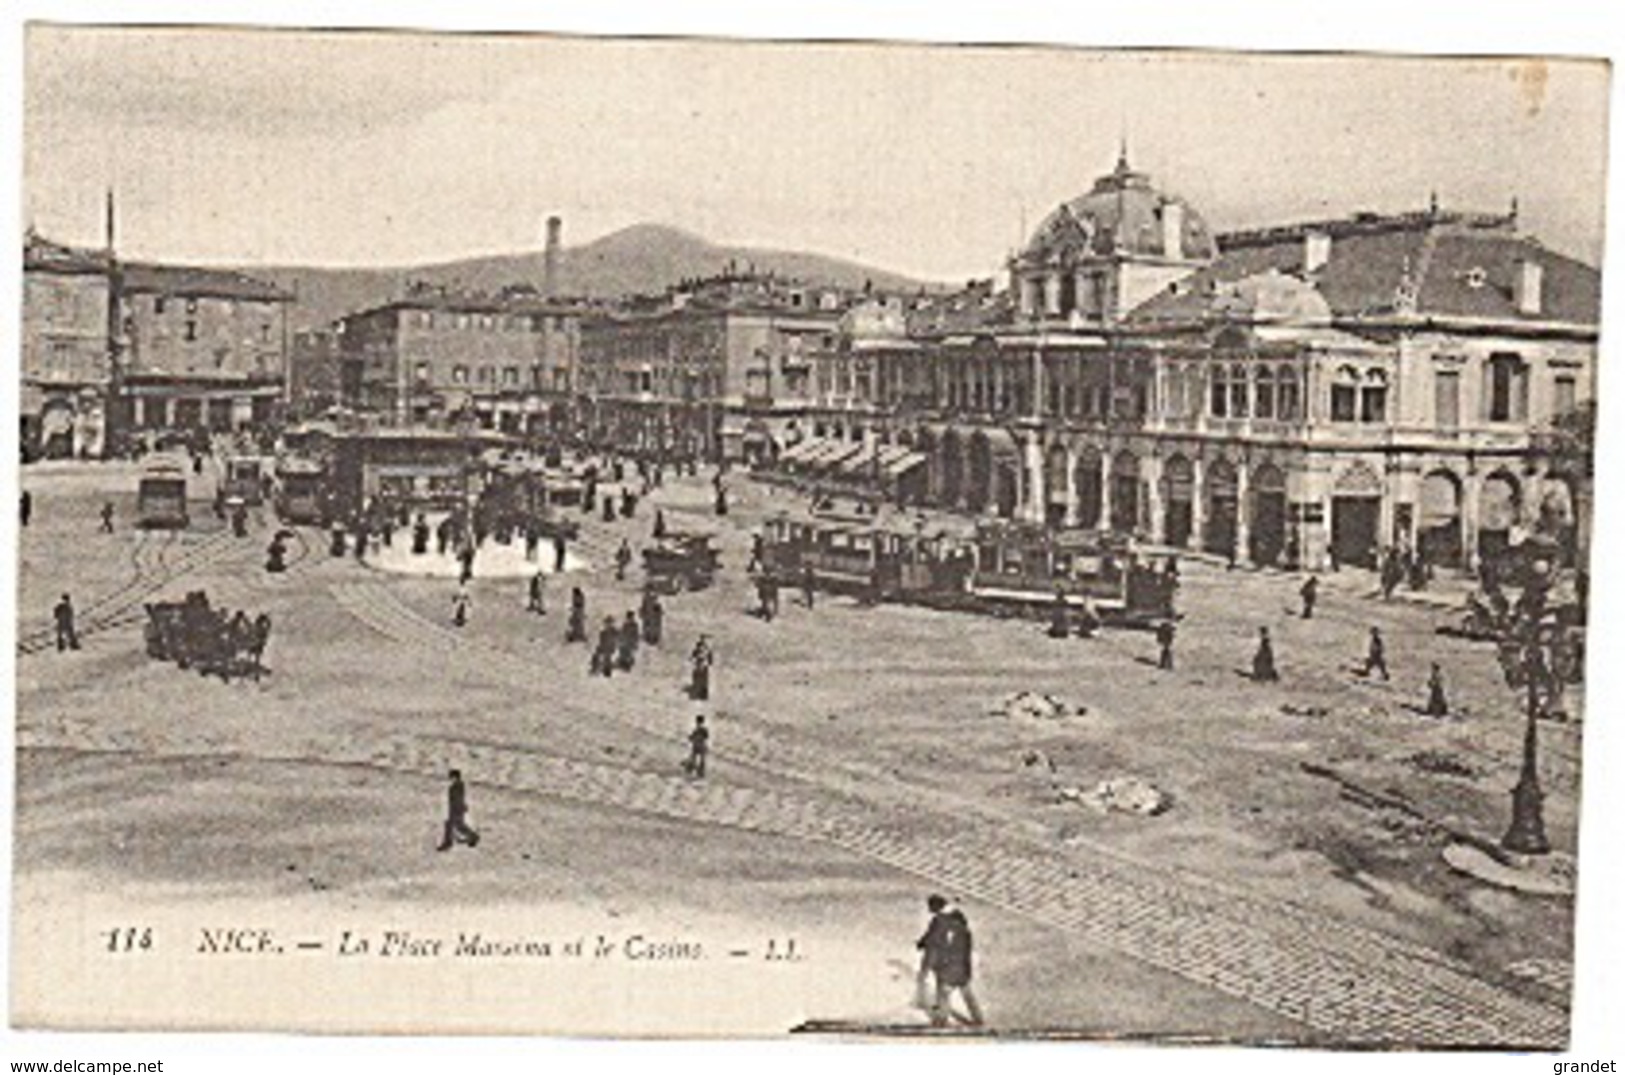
(720, 368)
(67, 366)
(199, 348)
(1304, 395)
(506, 362)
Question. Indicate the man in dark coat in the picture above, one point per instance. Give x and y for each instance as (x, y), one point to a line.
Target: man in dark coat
(660, 524)
(945, 955)
(1310, 590)
(623, 559)
(107, 518)
(653, 618)
(66, 636)
(457, 830)
(1438, 706)
(700, 660)
(27, 504)
(1060, 616)
(626, 645)
(420, 536)
(699, 747)
(1376, 657)
(577, 628)
(1264, 658)
(1165, 645)
(537, 601)
(603, 655)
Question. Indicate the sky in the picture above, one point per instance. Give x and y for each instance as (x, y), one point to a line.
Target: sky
(356, 148)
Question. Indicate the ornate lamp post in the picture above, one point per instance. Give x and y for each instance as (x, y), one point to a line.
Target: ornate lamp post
(1526, 662)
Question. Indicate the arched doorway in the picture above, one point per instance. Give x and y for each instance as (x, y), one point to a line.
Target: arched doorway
(1178, 495)
(1356, 512)
(979, 476)
(1498, 505)
(1055, 487)
(1267, 515)
(56, 435)
(1086, 478)
(1006, 489)
(1125, 493)
(1219, 490)
(1438, 527)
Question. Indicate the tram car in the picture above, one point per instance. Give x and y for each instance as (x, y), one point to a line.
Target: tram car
(1003, 569)
(1022, 568)
(243, 479)
(680, 562)
(160, 502)
(301, 492)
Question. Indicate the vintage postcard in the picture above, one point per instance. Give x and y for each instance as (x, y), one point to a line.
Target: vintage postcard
(624, 537)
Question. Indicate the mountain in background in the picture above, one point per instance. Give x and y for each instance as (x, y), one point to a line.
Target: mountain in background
(641, 259)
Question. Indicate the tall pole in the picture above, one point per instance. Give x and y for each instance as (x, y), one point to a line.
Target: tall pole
(1527, 833)
(113, 416)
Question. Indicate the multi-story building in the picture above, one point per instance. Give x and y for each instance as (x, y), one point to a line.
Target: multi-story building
(720, 367)
(66, 363)
(1300, 395)
(313, 372)
(199, 348)
(505, 362)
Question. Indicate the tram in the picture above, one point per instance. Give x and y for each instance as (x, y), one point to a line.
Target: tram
(243, 479)
(1000, 569)
(160, 502)
(301, 492)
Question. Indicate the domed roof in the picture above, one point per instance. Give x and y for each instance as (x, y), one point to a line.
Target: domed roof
(1122, 213)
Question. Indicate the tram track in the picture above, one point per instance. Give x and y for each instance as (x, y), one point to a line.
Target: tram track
(1234, 940)
(154, 564)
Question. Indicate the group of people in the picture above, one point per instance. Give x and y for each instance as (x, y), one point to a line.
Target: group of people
(1375, 664)
(215, 641)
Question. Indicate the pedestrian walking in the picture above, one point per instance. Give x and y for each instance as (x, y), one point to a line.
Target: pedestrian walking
(626, 650)
(457, 830)
(559, 549)
(623, 559)
(1165, 645)
(67, 637)
(576, 631)
(767, 594)
(609, 508)
(420, 536)
(754, 564)
(466, 560)
(603, 654)
(945, 962)
(660, 525)
(1438, 706)
(239, 520)
(107, 517)
(1309, 592)
(26, 504)
(537, 602)
(459, 608)
(652, 617)
(1376, 659)
(699, 746)
(700, 661)
(808, 579)
(1264, 659)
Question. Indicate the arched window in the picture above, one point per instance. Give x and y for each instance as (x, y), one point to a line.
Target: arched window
(1374, 397)
(1345, 394)
(1264, 393)
(1238, 391)
(1288, 397)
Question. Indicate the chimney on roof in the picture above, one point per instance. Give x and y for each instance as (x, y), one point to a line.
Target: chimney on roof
(550, 259)
(1173, 230)
(1317, 250)
(1526, 287)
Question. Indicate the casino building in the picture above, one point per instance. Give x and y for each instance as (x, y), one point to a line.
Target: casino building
(1296, 395)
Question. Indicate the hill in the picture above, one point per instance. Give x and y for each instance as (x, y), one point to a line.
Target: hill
(641, 259)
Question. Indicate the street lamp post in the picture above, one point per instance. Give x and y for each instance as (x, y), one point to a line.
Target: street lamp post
(1527, 833)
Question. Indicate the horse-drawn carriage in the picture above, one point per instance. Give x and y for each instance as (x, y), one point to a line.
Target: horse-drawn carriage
(191, 633)
(679, 562)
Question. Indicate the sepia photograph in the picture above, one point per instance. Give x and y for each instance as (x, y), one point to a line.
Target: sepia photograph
(676, 536)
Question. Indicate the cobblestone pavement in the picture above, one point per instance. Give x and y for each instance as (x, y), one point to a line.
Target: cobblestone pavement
(1345, 983)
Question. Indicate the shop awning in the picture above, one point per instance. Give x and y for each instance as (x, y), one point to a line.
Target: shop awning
(840, 452)
(902, 462)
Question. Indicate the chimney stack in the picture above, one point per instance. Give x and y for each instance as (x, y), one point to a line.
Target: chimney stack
(550, 269)
(1527, 287)
(1173, 231)
(1317, 251)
